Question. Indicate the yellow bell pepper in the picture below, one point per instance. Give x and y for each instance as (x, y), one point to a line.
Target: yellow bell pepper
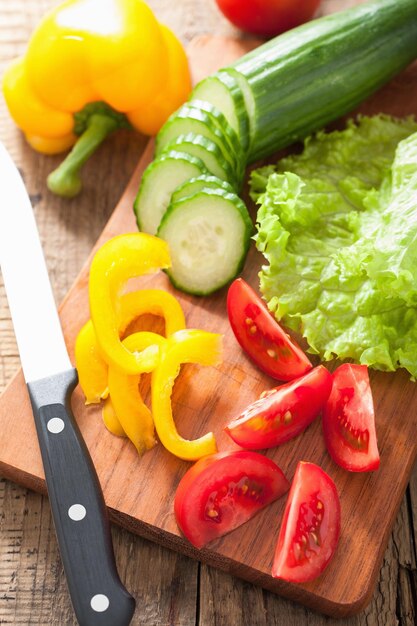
(119, 259)
(33, 115)
(91, 365)
(148, 118)
(125, 413)
(110, 367)
(130, 410)
(111, 420)
(185, 346)
(93, 66)
(155, 302)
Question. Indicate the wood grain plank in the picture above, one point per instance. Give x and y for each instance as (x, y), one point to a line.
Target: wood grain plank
(228, 601)
(364, 534)
(183, 17)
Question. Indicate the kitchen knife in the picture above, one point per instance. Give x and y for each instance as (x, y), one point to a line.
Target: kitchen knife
(79, 512)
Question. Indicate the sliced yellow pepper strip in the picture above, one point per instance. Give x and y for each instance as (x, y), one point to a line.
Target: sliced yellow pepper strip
(91, 366)
(185, 346)
(132, 413)
(119, 259)
(110, 419)
(153, 301)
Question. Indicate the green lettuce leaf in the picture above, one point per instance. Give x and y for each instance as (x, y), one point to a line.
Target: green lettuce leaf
(337, 225)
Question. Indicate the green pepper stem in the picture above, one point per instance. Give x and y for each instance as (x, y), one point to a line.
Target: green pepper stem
(65, 180)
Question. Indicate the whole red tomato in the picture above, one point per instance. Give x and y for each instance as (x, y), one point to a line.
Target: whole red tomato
(267, 17)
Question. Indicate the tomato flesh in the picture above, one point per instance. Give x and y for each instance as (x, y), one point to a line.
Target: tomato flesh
(260, 335)
(283, 412)
(349, 420)
(310, 528)
(224, 490)
(267, 17)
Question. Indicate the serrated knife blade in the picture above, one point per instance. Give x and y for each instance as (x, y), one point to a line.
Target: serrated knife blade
(79, 512)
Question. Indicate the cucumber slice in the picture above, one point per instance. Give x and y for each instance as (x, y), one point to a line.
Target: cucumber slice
(248, 97)
(158, 182)
(208, 235)
(194, 185)
(223, 91)
(224, 126)
(190, 118)
(208, 151)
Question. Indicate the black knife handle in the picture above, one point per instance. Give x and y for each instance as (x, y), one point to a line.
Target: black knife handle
(78, 509)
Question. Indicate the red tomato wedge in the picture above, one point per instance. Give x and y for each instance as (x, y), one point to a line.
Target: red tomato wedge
(283, 412)
(224, 490)
(260, 335)
(349, 420)
(310, 527)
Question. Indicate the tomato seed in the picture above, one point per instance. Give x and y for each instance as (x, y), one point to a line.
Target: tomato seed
(315, 538)
(297, 551)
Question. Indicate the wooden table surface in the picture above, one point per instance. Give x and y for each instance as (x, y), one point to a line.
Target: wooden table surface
(170, 589)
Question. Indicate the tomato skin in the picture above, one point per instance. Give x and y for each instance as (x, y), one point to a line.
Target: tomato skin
(260, 335)
(224, 490)
(349, 420)
(310, 527)
(283, 412)
(267, 17)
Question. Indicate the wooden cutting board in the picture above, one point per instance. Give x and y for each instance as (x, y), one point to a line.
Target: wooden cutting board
(140, 491)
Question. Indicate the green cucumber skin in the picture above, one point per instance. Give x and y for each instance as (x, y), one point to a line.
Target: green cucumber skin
(320, 71)
(172, 155)
(198, 183)
(186, 143)
(229, 83)
(248, 232)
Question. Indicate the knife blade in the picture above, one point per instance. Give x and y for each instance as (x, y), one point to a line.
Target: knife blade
(78, 509)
